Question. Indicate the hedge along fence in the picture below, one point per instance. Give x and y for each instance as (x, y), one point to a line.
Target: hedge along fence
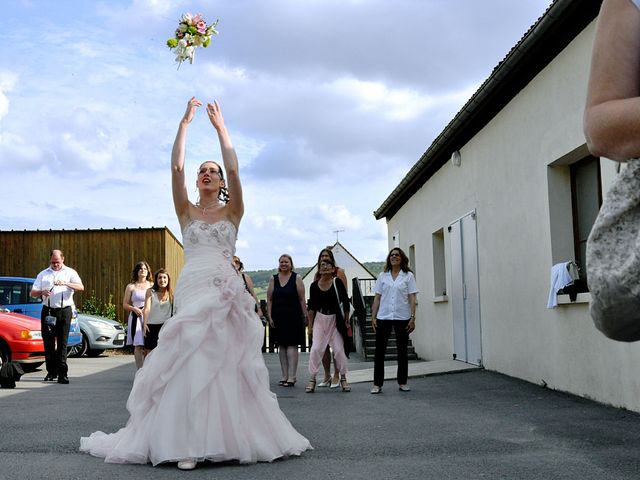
(104, 259)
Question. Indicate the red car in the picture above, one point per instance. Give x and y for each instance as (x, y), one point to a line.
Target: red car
(21, 341)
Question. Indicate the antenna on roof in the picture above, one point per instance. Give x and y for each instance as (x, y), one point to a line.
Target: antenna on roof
(337, 232)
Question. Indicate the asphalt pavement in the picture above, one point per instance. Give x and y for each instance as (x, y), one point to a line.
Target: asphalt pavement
(472, 424)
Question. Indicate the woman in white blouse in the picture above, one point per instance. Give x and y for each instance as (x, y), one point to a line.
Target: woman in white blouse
(394, 307)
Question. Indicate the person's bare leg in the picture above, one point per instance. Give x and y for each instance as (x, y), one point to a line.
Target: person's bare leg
(284, 364)
(138, 355)
(326, 365)
(336, 373)
(292, 360)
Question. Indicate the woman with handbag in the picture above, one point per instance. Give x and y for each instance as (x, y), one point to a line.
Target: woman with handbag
(328, 323)
(328, 381)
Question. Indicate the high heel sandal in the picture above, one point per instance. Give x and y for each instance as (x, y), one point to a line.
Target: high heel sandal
(344, 384)
(325, 383)
(311, 386)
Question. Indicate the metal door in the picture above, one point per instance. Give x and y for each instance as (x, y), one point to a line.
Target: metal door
(465, 291)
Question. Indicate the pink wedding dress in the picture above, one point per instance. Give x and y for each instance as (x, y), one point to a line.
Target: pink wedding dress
(203, 392)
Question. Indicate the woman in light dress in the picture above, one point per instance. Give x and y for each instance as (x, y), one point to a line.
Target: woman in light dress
(133, 302)
(203, 393)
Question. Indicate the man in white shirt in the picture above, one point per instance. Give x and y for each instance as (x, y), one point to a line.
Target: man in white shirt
(56, 285)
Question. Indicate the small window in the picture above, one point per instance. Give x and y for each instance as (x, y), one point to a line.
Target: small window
(439, 268)
(586, 199)
(412, 259)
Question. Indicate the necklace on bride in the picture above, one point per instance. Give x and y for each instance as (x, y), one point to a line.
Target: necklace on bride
(204, 208)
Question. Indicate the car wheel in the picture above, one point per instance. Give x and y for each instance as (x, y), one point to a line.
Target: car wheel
(94, 352)
(5, 354)
(79, 350)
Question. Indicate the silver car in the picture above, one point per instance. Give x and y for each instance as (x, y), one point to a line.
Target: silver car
(98, 334)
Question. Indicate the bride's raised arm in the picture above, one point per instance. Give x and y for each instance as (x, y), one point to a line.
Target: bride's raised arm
(235, 206)
(178, 183)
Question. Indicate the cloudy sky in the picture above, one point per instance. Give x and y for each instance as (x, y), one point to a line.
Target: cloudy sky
(329, 104)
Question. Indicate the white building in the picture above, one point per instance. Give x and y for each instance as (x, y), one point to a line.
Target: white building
(507, 190)
(345, 260)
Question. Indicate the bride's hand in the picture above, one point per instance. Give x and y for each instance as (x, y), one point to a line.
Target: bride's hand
(215, 115)
(192, 105)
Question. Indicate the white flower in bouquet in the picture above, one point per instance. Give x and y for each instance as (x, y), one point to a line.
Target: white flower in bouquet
(192, 32)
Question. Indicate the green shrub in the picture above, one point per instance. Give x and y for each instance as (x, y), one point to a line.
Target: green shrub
(96, 306)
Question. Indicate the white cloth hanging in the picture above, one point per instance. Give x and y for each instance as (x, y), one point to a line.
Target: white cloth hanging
(560, 277)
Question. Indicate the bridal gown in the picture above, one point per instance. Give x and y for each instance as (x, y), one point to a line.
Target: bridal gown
(203, 392)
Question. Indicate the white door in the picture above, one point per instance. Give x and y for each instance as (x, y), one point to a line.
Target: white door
(465, 291)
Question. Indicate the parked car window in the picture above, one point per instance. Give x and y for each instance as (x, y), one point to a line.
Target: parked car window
(27, 291)
(10, 293)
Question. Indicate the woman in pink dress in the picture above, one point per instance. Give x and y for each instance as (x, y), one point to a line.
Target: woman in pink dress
(203, 393)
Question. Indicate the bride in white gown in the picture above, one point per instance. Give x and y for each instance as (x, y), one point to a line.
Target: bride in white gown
(203, 393)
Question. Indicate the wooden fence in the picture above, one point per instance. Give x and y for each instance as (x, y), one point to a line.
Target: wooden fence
(104, 259)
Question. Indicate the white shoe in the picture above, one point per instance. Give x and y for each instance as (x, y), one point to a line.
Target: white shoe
(404, 388)
(376, 389)
(324, 384)
(188, 464)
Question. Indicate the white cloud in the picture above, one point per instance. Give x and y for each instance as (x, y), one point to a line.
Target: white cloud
(397, 103)
(224, 73)
(18, 154)
(339, 216)
(85, 49)
(4, 104)
(7, 82)
(328, 102)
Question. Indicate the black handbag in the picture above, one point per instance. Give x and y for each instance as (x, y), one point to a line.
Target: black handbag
(10, 373)
(340, 324)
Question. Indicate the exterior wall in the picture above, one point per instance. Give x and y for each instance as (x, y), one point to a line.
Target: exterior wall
(104, 259)
(514, 174)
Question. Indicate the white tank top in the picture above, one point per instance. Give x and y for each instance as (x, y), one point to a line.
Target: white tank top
(160, 311)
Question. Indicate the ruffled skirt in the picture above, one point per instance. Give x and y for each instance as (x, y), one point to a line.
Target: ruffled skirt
(203, 392)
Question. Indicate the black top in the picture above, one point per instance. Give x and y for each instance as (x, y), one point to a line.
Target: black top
(326, 301)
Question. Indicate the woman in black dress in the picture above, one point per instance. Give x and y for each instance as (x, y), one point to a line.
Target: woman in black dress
(287, 312)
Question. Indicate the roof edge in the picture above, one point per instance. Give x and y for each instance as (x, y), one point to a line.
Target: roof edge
(554, 30)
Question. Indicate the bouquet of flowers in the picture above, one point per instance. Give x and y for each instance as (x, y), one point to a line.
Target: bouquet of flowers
(192, 32)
